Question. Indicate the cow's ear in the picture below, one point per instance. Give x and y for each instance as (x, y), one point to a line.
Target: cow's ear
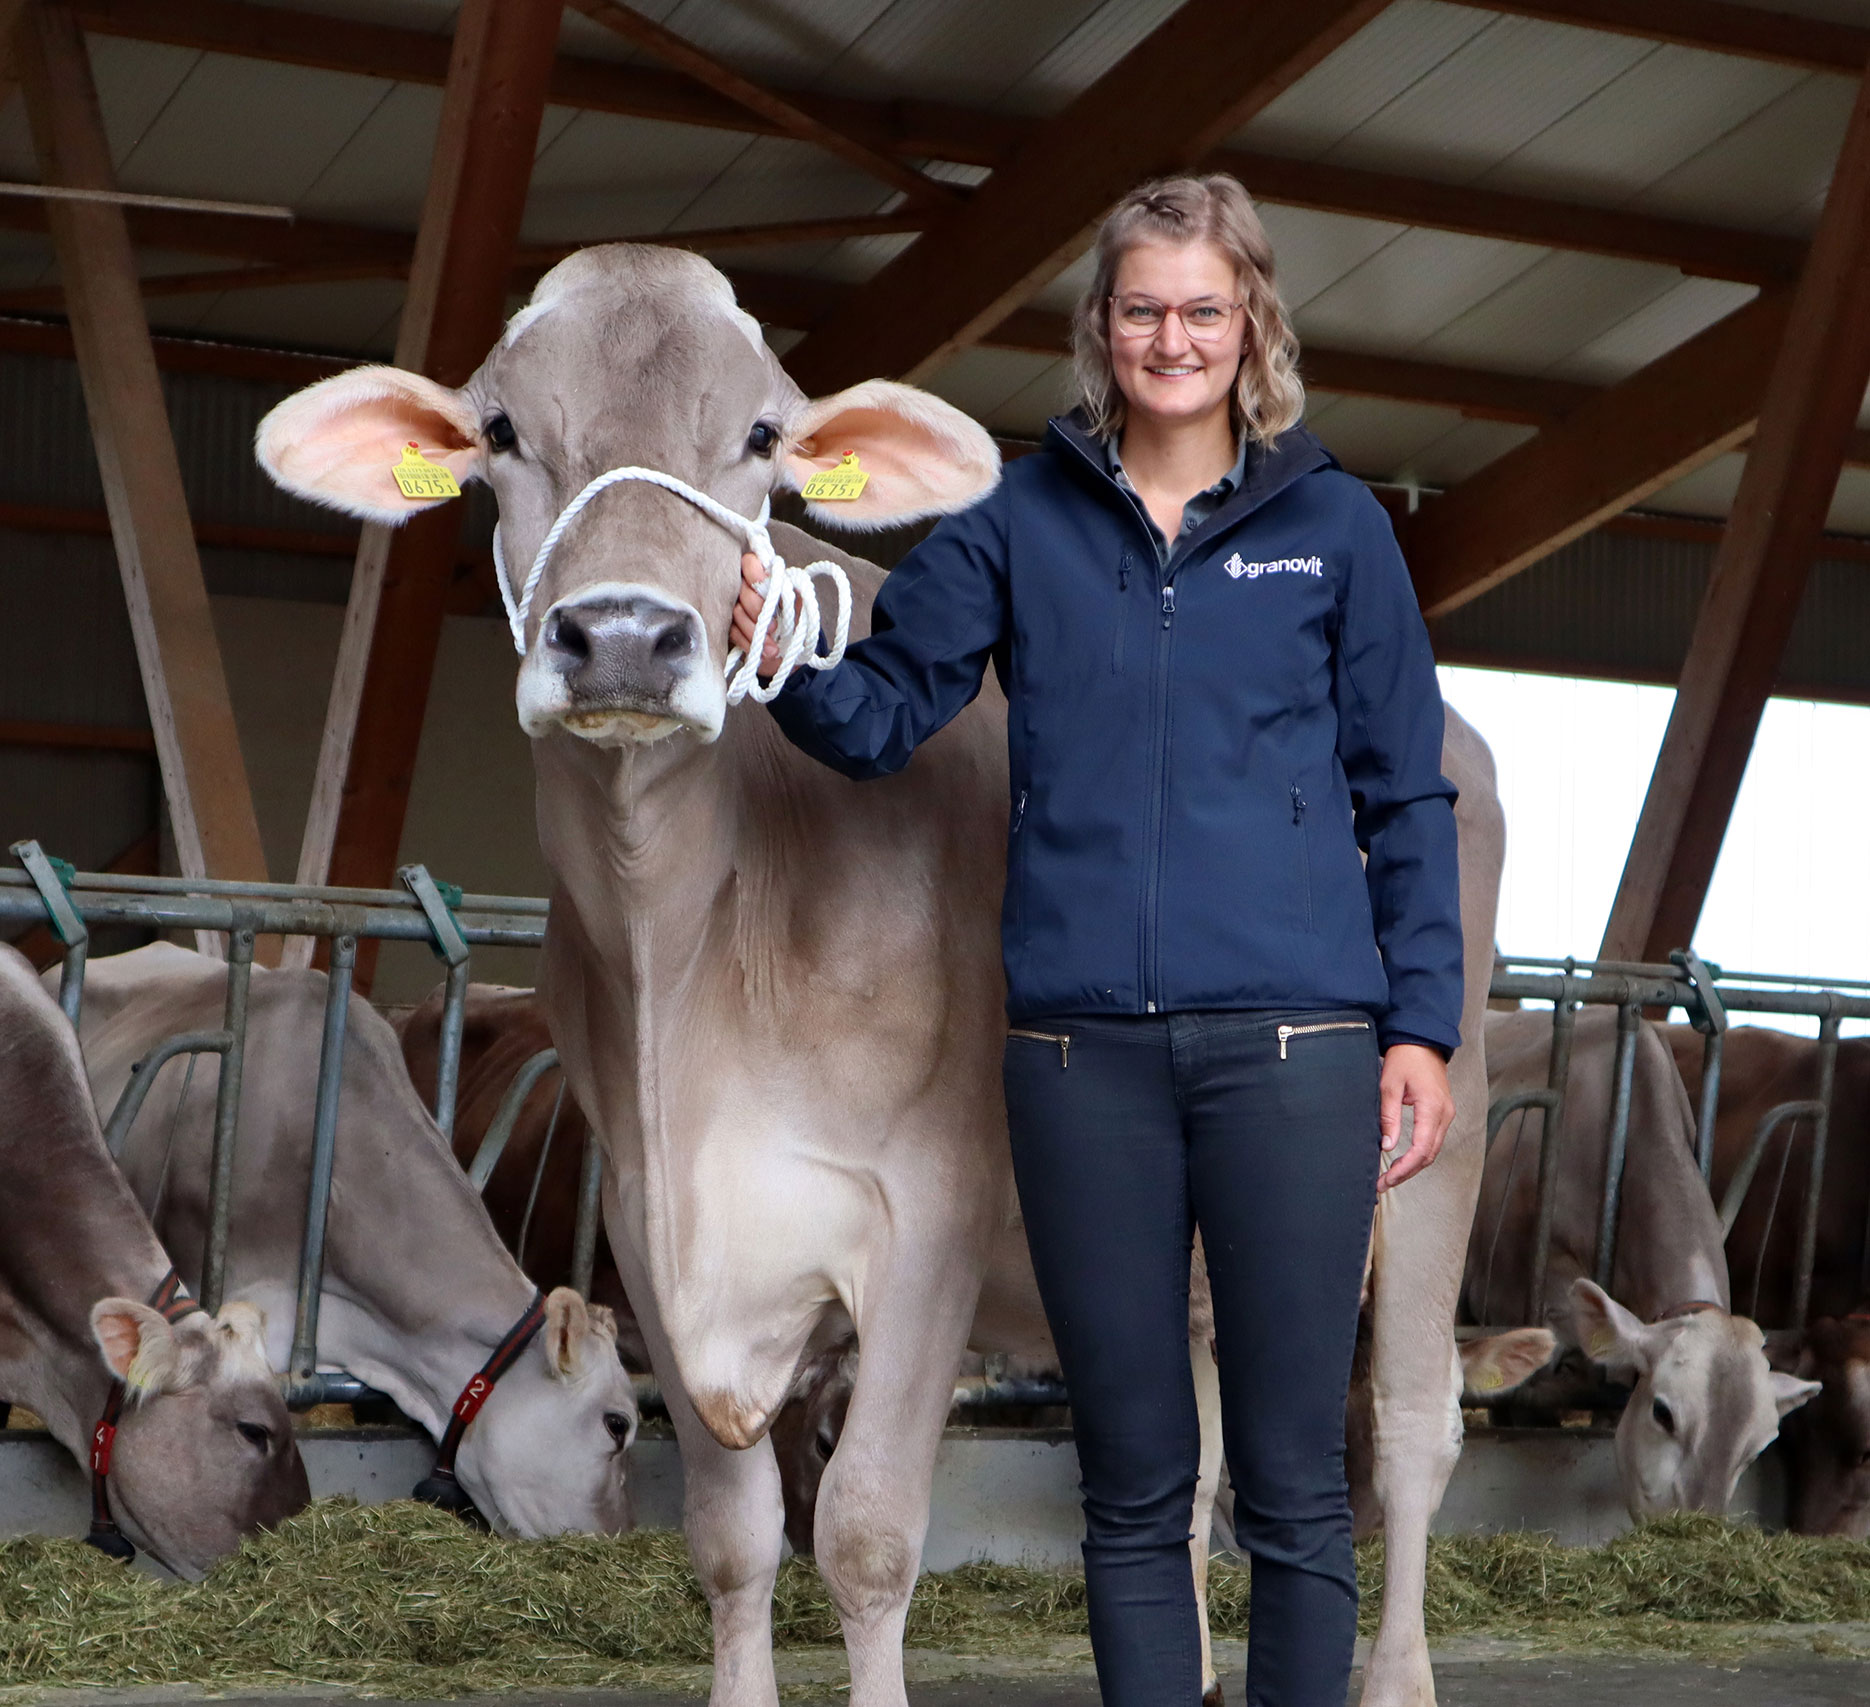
(920, 457)
(140, 1347)
(339, 441)
(567, 1326)
(1612, 1336)
(1789, 1392)
(1495, 1365)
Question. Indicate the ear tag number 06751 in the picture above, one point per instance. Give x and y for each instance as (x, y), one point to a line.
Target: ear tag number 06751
(417, 477)
(837, 485)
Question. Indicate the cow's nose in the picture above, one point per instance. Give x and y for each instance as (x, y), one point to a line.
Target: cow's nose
(621, 651)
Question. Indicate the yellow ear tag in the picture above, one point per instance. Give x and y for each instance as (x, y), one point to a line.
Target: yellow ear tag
(837, 485)
(1603, 1343)
(417, 477)
(1487, 1380)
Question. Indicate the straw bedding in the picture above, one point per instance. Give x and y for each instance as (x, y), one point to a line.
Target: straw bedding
(402, 1598)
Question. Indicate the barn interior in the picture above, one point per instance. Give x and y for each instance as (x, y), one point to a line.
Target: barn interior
(1579, 286)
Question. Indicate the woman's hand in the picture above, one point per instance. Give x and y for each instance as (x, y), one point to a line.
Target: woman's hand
(1415, 1075)
(747, 614)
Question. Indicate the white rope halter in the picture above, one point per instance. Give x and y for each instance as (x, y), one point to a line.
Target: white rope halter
(797, 632)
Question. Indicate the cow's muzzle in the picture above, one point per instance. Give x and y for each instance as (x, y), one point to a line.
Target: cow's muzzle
(616, 664)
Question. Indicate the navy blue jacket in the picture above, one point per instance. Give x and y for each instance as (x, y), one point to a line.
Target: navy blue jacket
(1198, 753)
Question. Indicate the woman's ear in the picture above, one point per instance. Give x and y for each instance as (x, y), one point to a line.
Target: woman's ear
(920, 456)
(338, 442)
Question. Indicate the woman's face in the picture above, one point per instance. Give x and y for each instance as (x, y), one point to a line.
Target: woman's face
(1169, 376)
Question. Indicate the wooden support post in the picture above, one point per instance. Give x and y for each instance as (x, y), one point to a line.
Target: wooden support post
(494, 99)
(203, 772)
(1759, 575)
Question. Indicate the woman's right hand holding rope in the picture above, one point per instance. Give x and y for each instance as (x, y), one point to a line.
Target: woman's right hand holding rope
(747, 614)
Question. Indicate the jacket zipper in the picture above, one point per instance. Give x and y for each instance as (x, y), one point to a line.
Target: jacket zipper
(1159, 807)
(1288, 1032)
(1060, 1038)
(1305, 853)
(1123, 615)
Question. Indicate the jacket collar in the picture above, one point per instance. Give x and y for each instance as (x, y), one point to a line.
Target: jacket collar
(1270, 469)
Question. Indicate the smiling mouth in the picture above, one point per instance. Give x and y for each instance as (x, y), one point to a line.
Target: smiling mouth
(1179, 370)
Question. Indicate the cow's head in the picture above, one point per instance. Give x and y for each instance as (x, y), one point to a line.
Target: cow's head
(1828, 1442)
(546, 1455)
(204, 1452)
(626, 356)
(1705, 1403)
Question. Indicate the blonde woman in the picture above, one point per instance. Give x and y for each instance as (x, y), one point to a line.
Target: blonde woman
(1220, 694)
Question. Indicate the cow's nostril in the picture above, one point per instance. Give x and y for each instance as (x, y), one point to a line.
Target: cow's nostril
(673, 641)
(566, 635)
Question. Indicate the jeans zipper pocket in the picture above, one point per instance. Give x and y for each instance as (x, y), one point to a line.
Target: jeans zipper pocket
(1288, 1032)
(1062, 1039)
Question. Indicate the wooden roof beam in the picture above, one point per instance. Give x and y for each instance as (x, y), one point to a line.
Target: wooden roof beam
(184, 684)
(1629, 440)
(792, 119)
(1166, 104)
(1760, 570)
(478, 178)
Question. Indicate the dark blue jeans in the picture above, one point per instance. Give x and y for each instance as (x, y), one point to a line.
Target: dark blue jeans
(1124, 1141)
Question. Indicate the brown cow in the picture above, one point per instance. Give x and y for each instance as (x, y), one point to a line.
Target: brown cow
(1827, 1445)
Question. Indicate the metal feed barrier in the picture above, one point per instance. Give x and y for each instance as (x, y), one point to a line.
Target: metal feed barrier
(44, 890)
(1707, 996)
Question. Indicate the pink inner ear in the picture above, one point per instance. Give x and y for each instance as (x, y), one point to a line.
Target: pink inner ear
(119, 1335)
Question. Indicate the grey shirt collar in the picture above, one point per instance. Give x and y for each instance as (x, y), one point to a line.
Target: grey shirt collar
(1198, 508)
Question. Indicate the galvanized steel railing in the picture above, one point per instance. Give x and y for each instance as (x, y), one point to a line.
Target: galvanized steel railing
(1707, 997)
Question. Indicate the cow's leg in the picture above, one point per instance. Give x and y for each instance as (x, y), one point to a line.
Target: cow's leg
(732, 1512)
(1201, 1538)
(1421, 1244)
(873, 1503)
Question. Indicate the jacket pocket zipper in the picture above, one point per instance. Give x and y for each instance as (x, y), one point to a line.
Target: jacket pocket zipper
(1288, 1032)
(1060, 1038)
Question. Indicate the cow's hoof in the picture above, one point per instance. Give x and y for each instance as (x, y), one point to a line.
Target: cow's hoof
(1214, 1697)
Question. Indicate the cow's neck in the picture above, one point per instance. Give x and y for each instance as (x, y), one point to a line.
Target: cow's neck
(72, 1234)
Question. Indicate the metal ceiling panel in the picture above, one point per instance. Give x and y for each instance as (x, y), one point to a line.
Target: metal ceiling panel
(603, 176)
(789, 42)
(379, 175)
(1396, 49)
(203, 141)
(774, 178)
(1510, 82)
(1557, 305)
(979, 381)
(135, 82)
(952, 50)
(1770, 171)
(1672, 318)
(1373, 437)
(1664, 110)
(1084, 55)
(1312, 251)
(1463, 450)
(1410, 289)
(1051, 391)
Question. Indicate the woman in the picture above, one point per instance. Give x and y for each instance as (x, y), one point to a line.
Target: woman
(1219, 691)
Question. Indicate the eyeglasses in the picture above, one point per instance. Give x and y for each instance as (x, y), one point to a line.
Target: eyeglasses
(1205, 319)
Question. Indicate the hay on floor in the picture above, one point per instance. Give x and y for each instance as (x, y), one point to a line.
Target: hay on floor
(401, 1597)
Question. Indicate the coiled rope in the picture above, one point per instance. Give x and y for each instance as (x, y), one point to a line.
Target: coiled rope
(796, 615)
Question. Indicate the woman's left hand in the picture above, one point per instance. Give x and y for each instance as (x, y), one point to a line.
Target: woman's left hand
(1417, 1076)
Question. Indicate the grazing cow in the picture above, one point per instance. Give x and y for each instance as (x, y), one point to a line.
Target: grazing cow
(203, 1451)
(532, 1193)
(1705, 1402)
(1826, 1445)
(418, 1290)
(777, 994)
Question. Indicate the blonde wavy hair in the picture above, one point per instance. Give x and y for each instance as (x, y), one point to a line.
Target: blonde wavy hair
(1268, 397)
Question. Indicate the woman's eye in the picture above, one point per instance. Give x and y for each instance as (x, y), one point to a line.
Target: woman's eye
(500, 433)
(762, 439)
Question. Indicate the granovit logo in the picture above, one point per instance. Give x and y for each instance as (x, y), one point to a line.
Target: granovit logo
(1278, 566)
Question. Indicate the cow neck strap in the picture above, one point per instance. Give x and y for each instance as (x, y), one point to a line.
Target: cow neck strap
(171, 1301)
(1688, 1307)
(797, 615)
(475, 1394)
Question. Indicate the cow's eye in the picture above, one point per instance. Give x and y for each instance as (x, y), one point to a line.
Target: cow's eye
(1665, 1418)
(762, 439)
(618, 1424)
(255, 1434)
(500, 433)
